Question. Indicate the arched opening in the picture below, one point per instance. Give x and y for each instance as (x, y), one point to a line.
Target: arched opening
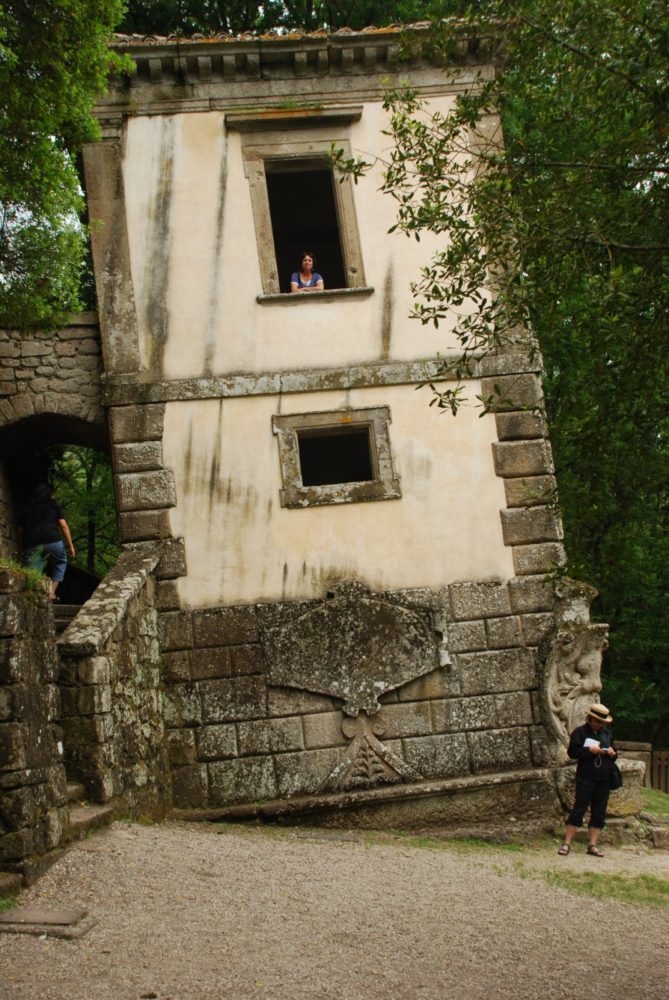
(72, 455)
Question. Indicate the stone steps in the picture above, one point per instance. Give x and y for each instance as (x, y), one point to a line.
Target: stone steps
(63, 615)
(85, 816)
(85, 819)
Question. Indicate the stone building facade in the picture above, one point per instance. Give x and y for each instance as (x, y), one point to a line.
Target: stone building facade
(354, 601)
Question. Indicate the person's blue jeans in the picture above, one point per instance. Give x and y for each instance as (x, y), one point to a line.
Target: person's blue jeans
(52, 553)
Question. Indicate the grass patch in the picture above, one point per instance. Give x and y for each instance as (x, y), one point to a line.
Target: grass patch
(6, 903)
(655, 802)
(640, 890)
(35, 580)
(426, 842)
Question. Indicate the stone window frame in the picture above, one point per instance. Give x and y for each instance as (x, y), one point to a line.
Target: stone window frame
(384, 486)
(307, 134)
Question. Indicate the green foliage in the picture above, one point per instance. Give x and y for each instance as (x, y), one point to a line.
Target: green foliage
(53, 62)
(185, 17)
(34, 579)
(83, 484)
(566, 222)
(7, 903)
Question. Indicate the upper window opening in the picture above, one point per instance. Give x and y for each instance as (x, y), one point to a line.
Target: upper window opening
(303, 211)
(335, 455)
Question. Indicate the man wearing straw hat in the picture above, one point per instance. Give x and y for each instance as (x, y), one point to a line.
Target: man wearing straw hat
(592, 746)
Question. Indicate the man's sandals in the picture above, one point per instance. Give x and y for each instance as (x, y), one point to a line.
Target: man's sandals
(564, 850)
(594, 851)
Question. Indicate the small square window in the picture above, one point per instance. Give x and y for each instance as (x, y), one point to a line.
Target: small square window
(342, 456)
(335, 455)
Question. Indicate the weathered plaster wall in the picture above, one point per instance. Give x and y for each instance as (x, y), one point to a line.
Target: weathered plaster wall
(242, 546)
(195, 268)
(109, 681)
(33, 803)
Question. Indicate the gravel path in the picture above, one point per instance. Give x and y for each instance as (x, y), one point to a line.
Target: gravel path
(192, 912)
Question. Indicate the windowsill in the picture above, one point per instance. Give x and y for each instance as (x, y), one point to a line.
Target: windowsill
(290, 298)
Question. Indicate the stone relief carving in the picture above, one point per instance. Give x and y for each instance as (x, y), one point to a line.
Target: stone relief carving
(367, 763)
(356, 647)
(353, 646)
(572, 657)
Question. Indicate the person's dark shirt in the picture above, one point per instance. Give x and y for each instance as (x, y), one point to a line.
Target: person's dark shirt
(42, 527)
(595, 766)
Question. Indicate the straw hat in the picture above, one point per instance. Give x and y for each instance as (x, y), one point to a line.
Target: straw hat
(600, 713)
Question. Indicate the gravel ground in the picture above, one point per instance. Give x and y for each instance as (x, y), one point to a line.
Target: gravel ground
(193, 912)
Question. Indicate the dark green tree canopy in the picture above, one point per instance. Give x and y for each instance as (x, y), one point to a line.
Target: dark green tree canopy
(53, 62)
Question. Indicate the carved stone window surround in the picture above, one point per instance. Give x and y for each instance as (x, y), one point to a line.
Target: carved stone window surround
(384, 486)
(309, 140)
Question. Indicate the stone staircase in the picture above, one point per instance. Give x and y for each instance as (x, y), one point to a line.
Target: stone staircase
(85, 817)
(63, 615)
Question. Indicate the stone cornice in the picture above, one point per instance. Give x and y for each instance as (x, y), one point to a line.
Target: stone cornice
(126, 390)
(199, 59)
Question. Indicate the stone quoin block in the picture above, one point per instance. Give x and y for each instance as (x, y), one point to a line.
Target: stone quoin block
(530, 491)
(460, 714)
(522, 458)
(521, 425)
(144, 525)
(146, 490)
(137, 423)
(531, 594)
(544, 557)
(167, 595)
(538, 524)
(512, 392)
(138, 456)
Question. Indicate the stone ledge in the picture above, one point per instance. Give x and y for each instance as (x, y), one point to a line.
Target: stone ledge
(104, 611)
(328, 294)
(128, 392)
(305, 806)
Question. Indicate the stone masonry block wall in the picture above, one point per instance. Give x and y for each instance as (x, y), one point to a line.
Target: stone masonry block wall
(112, 713)
(33, 806)
(54, 372)
(235, 737)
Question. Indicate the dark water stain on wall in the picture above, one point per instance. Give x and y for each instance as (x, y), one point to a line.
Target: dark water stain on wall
(214, 281)
(387, 315)
(160, 245)
(215, 484)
